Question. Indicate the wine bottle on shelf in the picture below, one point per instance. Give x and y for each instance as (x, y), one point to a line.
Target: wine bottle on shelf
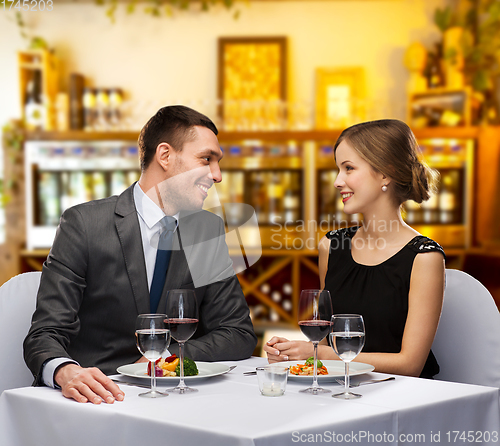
(62, 112)
(115, 103)
(89, 109)
(430, 209)
(447, 200)
(291, 199)
(258, 198)
(118, 182)
(327, 195)
(34, 110)
(76, 82)
(234, 211)
(99, 185)
(77, 187)
(89, 187)
(133, 176)
(49, 203)
(102, 107)
(413, 212)
(275, 196)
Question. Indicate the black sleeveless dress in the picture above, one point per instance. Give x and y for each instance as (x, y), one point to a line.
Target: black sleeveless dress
(379, 293)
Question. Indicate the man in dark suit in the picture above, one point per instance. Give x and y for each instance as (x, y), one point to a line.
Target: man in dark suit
(101, 268)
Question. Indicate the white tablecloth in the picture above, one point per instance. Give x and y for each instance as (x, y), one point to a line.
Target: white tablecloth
(229, 410)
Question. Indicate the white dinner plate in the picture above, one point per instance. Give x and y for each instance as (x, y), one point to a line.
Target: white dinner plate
(205, 370)
(335, 370)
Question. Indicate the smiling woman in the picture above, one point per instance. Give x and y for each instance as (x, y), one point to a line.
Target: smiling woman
(375, 269)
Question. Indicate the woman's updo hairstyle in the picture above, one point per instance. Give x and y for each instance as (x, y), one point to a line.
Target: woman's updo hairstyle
(390, 147)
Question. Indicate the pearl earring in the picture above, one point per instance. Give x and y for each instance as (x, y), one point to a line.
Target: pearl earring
(384, 188)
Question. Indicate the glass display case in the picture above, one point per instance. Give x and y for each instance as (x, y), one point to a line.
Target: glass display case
(61, 174)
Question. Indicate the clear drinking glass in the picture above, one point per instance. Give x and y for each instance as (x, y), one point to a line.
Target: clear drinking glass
(272, 379)
(347, 339)
(182, 310)
(152, 334)
(315, 312)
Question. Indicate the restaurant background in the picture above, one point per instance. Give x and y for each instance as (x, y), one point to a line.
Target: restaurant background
(278, 147)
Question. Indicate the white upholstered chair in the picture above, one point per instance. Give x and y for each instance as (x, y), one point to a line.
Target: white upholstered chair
(17, 304)
(467, 342)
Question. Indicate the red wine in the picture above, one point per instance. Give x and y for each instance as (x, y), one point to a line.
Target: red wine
(182, 329)
(315, 330)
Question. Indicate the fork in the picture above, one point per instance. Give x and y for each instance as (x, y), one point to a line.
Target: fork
(372, 381)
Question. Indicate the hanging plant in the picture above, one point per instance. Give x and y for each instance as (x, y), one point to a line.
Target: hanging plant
(480, 43)
(159, 8)
(32, 42)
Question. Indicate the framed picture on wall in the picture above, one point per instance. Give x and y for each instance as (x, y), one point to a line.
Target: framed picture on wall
(440, 108)
(252, 82)
(340, 97)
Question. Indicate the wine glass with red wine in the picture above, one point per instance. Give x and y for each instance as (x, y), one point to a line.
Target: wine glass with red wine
(182, 315)
(315, 312)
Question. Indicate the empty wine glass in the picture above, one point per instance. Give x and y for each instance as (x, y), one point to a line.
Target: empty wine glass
(347, 339)
(182, 310)
(315, 312)
(152, 334)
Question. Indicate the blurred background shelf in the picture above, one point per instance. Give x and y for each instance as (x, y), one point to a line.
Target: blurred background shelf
(287, 177)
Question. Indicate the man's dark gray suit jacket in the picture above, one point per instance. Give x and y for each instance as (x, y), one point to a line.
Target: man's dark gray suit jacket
(94, 285)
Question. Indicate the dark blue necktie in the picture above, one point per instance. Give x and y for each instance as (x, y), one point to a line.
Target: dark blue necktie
(162, 259)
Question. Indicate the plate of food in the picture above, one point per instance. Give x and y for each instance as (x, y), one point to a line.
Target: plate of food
(328, 370)
(168, 369)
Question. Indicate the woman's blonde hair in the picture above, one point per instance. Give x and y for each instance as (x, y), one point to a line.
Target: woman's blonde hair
(391, 148)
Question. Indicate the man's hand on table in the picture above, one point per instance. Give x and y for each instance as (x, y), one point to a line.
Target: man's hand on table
(87, 385)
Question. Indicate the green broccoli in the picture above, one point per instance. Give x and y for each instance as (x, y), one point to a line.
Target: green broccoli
(310, 361)
(190, 368)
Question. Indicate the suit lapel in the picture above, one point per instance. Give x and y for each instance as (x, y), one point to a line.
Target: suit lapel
(129, 232)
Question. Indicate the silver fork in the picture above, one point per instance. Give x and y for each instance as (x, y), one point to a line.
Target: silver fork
(372, 381)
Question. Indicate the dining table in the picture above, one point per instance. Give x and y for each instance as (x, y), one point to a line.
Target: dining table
(228, 409)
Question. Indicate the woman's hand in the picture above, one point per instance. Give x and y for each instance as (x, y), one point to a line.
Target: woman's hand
(281, 349)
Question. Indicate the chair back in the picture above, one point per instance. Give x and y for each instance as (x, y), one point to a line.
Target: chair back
(467, 342)
(17, 304)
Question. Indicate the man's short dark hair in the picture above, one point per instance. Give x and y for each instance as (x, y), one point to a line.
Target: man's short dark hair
(172, 124)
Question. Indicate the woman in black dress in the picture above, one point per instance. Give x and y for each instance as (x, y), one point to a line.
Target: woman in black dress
(383, 269)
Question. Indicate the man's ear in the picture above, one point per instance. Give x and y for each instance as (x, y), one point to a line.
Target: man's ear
(163, 155)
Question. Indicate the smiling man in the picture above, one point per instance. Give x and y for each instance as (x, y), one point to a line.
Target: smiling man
(105, 267)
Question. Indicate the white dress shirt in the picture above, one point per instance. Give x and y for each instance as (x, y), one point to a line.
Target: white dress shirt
(149, 216)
